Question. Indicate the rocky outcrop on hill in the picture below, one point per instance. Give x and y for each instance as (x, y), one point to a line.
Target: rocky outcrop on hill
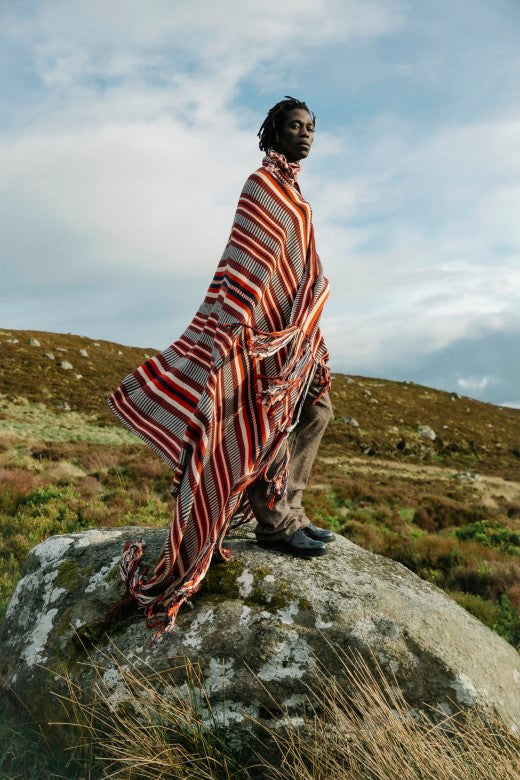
(257, 627)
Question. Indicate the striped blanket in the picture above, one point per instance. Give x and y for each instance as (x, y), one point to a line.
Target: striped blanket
(219, 401)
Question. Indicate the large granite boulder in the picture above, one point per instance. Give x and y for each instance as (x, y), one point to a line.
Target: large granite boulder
(257, 627)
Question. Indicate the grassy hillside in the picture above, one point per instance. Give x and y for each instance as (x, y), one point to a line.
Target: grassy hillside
(423, 476)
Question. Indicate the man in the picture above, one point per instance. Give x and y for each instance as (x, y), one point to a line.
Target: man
(289, 130)
(248, 372)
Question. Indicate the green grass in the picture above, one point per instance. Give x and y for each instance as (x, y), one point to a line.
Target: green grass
(23, 419)
(499, 615)
(62, 487)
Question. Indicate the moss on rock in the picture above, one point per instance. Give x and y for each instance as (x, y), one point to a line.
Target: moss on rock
(221, 580)
(71, 575)
(114, 577)
(87, 635)
(68, 575)
(276, 597)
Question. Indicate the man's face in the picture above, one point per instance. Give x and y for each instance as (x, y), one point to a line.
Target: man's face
(296, 135)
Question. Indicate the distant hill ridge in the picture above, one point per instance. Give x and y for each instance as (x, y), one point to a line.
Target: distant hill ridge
(379, 418)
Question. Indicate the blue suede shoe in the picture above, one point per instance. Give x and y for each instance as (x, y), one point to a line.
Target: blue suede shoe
(299, 543)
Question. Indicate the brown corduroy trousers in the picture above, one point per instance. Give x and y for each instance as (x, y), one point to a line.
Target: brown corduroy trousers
(288, 514)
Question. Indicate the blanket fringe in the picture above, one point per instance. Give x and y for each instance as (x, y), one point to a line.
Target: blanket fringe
(277, 392)
(277, 484)
(162, 612)
(129, 566)
(262, 344)
(325, 381)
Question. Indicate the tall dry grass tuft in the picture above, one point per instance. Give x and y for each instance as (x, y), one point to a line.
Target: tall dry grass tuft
(367, 731)
(362, 729)
(145, 728)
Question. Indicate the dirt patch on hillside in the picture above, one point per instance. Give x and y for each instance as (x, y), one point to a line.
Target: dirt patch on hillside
(489, 488)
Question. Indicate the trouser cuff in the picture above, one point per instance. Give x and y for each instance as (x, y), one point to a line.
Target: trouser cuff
(290, 525)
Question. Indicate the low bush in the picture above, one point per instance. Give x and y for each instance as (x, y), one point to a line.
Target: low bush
(501, 615)
(443, 512)
(489, 579)
(491, 534)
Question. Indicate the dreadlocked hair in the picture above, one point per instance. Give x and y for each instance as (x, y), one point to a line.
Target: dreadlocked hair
(273, 122)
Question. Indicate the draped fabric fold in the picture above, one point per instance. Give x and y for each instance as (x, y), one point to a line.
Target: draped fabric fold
(219, 401)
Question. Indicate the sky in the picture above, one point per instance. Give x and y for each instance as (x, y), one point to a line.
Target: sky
(128, 127)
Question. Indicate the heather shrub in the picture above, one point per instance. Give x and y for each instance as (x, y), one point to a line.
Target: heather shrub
(15, 484)
(428, 551)
(443, 512)
(152, 511)
(491, 534)
(488, 612)
(367, 535)
(486, 578)
(89, 487)
(424, 520)
(18, 480)
(513, 594)
(501, 615)
(513, 510)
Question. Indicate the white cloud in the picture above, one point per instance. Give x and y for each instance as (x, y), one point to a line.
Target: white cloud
(114, 38)
(126, 159)
(114, 22)
(425, 251)
(155, 195)
(475, 383)
(127, 154)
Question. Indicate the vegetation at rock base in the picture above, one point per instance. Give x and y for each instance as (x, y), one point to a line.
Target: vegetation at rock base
(154, 730)
(27, 754)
